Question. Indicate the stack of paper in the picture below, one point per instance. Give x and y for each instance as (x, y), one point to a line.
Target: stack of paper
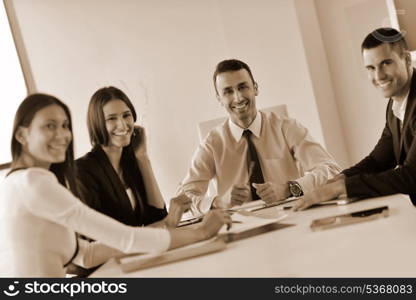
(260, 204)
(142, 261)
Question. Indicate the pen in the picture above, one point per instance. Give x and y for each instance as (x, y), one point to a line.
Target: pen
(190, 221)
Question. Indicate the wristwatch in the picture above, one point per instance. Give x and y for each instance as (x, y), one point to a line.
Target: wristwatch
(295, 189)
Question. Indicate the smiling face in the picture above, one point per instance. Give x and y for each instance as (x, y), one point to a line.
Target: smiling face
(388, 70)
(119, 123)
(237, 93)
(46, 139)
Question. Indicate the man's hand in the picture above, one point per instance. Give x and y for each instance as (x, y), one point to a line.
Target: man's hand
(178, 205)
(271, 192)
(327, 192)
(240, 194)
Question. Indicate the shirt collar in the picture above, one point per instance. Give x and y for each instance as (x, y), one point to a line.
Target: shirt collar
(255, 127)
(399, 107)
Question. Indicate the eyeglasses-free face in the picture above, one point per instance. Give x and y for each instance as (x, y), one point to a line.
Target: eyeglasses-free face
(47, 138)
(119, 123)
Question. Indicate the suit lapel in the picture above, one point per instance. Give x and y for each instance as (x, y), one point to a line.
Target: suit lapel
(114, 184)
(395, 128)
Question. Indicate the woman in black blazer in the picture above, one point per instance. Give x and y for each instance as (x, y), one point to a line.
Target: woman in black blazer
(116, 176)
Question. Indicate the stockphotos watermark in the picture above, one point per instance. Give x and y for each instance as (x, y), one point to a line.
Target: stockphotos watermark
(65, 288)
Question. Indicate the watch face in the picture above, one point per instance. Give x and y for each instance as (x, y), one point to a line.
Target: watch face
(295, 190)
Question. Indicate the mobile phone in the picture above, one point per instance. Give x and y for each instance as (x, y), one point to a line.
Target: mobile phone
(350, 218)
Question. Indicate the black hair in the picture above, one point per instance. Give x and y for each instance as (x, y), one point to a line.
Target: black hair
(385, 35)
(230, 65)
(96, 120)
(65, 171)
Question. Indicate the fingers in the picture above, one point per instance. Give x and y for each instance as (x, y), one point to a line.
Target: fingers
(225, 218)
(139, 129)
(181, 201)
(218, 214)
(237, 201)
(267, 194)
(304, 203)
(261, 187)
(240, 192)
(300, 205)
(214, 220)
(270, 192)
(269, 200)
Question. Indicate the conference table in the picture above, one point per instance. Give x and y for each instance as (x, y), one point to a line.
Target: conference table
(383, 247)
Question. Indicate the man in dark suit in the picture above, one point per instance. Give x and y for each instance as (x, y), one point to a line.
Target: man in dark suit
(391, 167)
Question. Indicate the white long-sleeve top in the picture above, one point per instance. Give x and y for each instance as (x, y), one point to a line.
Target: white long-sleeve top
(38, 221)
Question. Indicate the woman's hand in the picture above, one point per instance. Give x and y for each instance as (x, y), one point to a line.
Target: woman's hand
(178, 205)
(213, 221)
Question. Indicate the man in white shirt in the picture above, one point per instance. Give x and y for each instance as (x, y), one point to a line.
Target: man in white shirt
(391, 167)
(253, 154)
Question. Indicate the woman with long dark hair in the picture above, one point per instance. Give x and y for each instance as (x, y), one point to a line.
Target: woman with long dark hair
(116, 175)
(39, 210)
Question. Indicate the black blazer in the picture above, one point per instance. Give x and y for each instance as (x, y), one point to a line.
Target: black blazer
(102, 189)
(391, 167)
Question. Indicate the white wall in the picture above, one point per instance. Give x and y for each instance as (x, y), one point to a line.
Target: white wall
(12, 85)
(162, 54)
(344, 24)
(320, 76)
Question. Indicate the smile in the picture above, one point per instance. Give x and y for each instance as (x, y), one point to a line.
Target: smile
(58, 147)
(121, 133)
(241, 105)
(385, 84)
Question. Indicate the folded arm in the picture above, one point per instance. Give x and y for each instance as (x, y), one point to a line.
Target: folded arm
(315, 162)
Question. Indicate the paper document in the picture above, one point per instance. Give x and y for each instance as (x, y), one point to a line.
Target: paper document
(260, 204)
(141, 261)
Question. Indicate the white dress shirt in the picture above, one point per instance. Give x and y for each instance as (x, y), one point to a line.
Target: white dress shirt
(399, 109)
(286, 152)
(38, 220)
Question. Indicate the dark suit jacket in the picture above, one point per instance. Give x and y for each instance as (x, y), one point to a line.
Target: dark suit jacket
(391, 166)
(102, 189)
